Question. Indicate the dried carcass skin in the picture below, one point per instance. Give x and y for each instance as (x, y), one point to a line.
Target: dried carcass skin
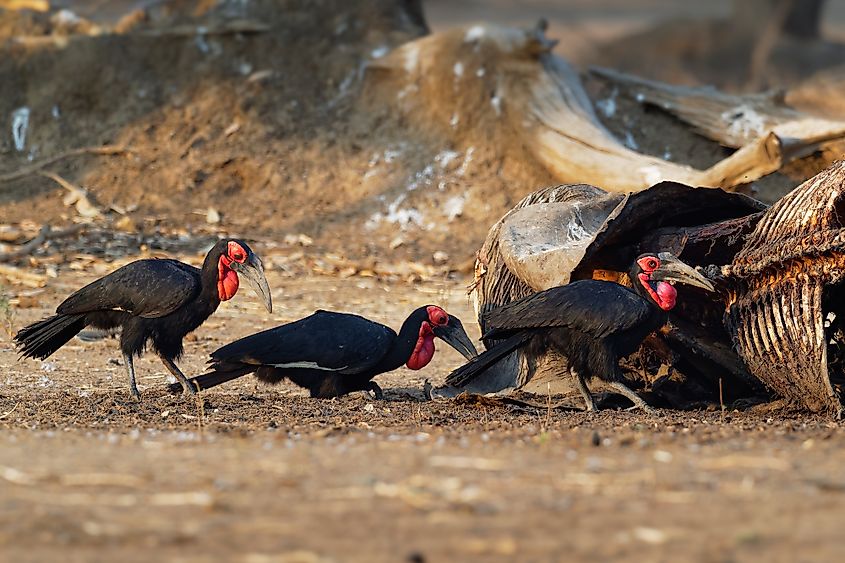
(777, 286)
(572, 232)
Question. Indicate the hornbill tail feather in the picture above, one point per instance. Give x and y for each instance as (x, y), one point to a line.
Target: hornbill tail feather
(480, 363)
(221, 374)
(42, 338)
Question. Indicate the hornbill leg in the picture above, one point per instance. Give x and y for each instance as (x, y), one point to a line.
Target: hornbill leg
(177, 373)
(377, 392)
(630, 395)
(585, 391)
(130, 371)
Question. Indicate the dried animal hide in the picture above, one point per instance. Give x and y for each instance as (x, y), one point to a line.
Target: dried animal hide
(783, 284)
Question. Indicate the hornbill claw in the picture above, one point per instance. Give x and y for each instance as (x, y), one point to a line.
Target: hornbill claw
(373, 387)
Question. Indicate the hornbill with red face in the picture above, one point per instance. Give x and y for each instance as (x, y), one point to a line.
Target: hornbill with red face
(153, 300)
(593, 323)
(332, 354)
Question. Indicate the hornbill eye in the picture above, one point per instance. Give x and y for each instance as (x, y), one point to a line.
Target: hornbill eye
(653, 263)
(236, 252)
(437, 316)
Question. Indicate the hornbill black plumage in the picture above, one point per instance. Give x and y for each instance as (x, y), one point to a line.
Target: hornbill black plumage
(153, 300)
(332, 354)
(593, 323)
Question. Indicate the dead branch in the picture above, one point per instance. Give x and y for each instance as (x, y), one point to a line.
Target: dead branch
(106, 150)
(734, 121)
(46, 233)
(28, 247)
(76, 196)
(542, 99)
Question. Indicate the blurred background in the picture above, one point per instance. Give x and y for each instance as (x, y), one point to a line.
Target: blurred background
(327, 116)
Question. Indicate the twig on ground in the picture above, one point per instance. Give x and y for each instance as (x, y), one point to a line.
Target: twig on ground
(7, 413)
(105, 150)
(46, 233)
(76, 196)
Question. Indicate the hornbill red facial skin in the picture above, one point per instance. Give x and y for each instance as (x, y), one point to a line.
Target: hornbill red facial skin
(155, 301)
(593, 323)
(332, 354)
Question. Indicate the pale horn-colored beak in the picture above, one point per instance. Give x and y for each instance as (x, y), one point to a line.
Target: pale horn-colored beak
(673, 270)
(252, 269)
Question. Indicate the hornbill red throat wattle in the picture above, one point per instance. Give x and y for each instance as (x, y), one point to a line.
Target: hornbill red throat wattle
(593, 323)
(154, 300)
(332, 354)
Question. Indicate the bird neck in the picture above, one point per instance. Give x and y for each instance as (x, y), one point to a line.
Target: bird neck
(660, 295)
(413, 346)
(217, 284)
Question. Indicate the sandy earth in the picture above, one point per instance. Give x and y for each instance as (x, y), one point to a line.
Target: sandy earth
(255, 473)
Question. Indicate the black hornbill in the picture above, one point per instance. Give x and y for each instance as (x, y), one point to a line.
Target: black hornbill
(155, 300)
(332, 354)
(593, 323)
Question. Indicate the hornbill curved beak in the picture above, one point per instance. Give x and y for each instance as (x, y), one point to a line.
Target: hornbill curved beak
(253, 271)
(673, 270)
(453, 334)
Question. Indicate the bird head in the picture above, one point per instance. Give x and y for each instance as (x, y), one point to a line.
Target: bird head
(655, 275)
(235, 258)
(433, 322)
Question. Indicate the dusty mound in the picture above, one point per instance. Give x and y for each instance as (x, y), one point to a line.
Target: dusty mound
(257, 114)
(307, 117)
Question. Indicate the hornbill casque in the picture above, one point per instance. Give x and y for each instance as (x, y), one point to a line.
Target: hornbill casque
(593, 323)
(153, 300)
(332, 354)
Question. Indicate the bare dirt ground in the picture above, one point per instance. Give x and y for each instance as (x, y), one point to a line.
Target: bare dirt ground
(284, 146)
(257, 473)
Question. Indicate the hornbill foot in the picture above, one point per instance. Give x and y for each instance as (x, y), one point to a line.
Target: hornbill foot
(177, 373)
(590, 402)
(623, 389)
(188, 388)
(377, 392)
(427, 388)
(130, 371)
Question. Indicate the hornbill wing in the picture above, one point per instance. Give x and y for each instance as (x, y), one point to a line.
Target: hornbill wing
(145, 288)
(598, 308)
(326, 340)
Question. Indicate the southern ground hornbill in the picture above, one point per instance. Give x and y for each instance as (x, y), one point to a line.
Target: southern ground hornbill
(155, 300)
(332, 354)
(593, 323)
